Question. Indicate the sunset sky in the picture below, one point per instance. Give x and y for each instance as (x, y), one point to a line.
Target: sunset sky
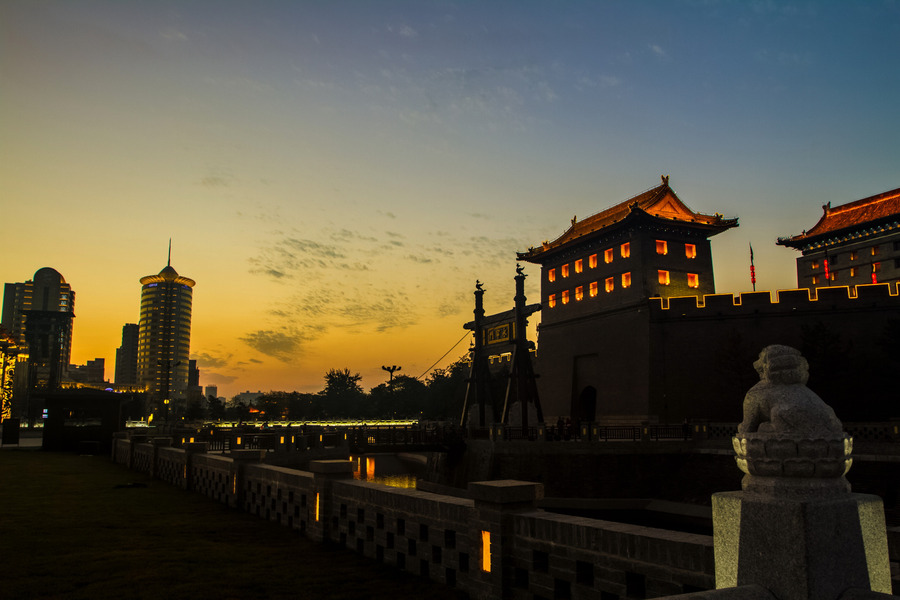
(336, 175)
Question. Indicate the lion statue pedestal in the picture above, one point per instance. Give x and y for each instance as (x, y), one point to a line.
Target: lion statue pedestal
(796, 529)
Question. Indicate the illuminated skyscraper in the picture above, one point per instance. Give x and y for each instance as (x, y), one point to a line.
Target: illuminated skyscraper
(38, 314)
(164, 333)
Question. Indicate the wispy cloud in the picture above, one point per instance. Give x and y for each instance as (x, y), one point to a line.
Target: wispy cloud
(658, 51)
(205, 359)
(285, 345)
(214, 181)
(173, 35)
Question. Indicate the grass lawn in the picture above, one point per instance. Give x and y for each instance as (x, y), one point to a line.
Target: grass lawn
(68, 531)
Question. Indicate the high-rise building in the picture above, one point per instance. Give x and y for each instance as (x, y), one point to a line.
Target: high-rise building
(126, 356)
(38, 314)
(194, 389)
(164, 333)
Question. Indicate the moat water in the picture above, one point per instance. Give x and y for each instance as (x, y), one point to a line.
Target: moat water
(385, 469)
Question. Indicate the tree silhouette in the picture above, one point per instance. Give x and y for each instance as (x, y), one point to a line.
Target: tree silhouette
(343, 396)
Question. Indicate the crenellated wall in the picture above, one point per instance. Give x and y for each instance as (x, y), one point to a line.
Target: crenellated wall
(870, 296)
(531, 553)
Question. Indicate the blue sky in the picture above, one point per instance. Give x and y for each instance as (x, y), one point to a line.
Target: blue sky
(336, 175)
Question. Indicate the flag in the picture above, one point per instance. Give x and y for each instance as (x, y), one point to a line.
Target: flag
(752, 269)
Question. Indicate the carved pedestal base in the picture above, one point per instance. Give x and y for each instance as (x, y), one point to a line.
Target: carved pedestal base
(801, 549)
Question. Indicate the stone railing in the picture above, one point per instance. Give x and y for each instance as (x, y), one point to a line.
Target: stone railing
(494, 544)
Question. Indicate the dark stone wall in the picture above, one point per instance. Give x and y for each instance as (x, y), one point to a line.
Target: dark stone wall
(664, 360)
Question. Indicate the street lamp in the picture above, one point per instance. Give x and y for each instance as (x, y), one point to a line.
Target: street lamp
(392, 369)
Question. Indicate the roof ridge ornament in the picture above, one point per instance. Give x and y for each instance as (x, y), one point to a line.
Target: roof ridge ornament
(665, 179)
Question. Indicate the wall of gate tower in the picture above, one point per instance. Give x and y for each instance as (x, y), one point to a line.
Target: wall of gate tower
(667, 359)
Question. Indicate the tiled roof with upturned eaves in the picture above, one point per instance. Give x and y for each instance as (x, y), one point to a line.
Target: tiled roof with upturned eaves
(660, 201)
(844, 220)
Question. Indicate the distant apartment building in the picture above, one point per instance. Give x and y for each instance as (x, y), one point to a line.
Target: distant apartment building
(126, 356)
(164, 334)
(38, 314)
(92, 373)
(246, 398)
(852, 244)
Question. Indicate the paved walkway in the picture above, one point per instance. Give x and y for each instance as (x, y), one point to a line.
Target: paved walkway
(81, 527)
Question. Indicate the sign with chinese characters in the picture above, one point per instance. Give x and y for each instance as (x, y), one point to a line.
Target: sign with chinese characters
(500, 334)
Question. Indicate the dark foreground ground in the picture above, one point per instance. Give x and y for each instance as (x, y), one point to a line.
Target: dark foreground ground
(82, 527)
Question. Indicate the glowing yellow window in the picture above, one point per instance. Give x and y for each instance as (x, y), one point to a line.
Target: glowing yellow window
(486, 551)
(593, 290)
(690, 250)
(626, 280)
(875, 250)
(663, 277)
(564, 271)
(876, 267)
(814, 265)
(578, 266)
(662, 247)
(693, 280)
(625, 250)
(565, 297)
(592, 261)
(551, 275)
(815, 279)
(853, 255)
(852, 271)
(608, 256)
(833, 276)
(551, 300)
(610, 284)
(579, 293)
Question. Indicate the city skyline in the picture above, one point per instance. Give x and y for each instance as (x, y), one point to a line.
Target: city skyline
(336, 176)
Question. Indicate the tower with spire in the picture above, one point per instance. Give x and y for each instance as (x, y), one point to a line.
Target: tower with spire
(164, 335)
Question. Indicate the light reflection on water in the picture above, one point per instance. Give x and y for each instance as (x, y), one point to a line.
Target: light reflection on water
(388, 471)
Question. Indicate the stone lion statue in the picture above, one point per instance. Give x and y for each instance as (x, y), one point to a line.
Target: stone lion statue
(781, 402)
